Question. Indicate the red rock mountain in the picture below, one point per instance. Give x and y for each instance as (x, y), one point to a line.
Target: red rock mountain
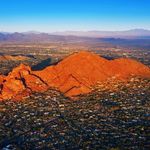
(73, 76)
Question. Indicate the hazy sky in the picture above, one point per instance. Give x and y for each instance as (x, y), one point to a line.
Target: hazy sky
(62, 15)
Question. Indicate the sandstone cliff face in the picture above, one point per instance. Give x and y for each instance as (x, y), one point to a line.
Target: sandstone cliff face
(73, 76)
(1, 79)
(21, 80)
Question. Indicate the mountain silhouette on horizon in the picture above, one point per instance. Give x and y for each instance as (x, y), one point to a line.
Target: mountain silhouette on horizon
(35, 36)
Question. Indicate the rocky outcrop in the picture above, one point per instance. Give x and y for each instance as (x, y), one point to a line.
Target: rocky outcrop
(21, 81)
(75, 75)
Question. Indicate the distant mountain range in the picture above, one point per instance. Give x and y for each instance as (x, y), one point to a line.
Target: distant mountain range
(38, 37)
(76, 36)
(35, 35)
(134, 33)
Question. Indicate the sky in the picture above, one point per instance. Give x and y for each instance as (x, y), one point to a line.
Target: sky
(77, 15)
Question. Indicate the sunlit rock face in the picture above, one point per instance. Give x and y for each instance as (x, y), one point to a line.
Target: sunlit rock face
(75, 75)
(19, 81)
(79, 72)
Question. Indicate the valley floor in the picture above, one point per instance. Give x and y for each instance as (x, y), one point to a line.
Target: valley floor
(100, 120)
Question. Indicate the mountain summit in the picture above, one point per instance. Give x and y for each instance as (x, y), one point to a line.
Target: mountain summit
(74, 75)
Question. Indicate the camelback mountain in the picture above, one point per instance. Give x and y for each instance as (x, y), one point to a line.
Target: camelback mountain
(74, 75)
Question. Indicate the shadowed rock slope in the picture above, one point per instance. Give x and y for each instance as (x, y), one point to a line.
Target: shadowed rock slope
(75, 75)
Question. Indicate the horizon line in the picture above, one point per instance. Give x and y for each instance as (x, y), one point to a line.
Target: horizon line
(92, 30)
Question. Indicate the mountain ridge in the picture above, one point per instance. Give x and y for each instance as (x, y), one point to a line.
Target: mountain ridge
(133, 33)
(74, 75)
(35, 36)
